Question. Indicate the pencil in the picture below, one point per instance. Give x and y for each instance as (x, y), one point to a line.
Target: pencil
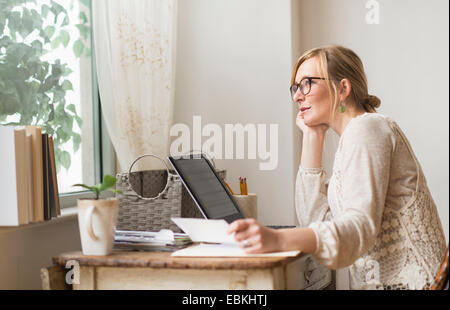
(241, 185)
(229, 188)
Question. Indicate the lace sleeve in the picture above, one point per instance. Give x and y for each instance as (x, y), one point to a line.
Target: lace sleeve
(311, 201)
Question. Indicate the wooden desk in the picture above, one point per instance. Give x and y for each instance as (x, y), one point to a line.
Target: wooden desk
(158, 270)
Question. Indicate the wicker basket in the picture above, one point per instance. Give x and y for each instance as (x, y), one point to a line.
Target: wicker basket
(151, 197)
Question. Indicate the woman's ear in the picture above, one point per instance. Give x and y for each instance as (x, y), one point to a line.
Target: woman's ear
(344, 89)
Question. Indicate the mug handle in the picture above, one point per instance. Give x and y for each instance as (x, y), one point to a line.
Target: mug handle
(88, 221)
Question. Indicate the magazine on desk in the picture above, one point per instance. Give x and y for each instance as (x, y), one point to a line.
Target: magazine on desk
(164, 240)
(214, 240)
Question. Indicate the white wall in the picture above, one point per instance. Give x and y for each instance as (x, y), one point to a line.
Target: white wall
(234, 64)
(406, 61)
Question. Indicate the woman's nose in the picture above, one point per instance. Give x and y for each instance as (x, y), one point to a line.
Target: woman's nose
(298, 96)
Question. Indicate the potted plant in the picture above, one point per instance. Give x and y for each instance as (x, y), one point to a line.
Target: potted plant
(97, 218)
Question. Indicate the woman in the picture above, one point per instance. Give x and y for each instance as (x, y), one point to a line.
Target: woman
(376, 213)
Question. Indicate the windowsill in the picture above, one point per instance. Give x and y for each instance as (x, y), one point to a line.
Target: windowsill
(68, 213)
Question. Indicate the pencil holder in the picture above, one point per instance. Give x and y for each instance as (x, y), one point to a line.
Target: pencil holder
(248, 205)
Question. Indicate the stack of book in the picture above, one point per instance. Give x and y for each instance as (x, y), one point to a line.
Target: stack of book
(28, 182)
(164, 240)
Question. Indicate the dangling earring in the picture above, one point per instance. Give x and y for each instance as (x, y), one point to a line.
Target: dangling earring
(341, 108)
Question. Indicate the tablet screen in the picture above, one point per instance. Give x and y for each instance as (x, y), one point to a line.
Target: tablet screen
(206, 188)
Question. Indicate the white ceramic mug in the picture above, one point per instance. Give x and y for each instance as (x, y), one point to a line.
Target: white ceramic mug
(97, 221)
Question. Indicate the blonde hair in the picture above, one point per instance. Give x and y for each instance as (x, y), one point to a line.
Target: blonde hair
(337, 63)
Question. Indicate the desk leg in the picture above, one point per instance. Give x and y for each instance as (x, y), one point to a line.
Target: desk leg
(54, 278)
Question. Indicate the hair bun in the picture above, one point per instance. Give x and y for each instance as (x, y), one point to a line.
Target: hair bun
(372, 101)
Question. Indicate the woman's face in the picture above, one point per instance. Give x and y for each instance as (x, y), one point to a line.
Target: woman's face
(315, 107)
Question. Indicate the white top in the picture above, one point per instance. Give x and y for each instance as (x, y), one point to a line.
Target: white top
(377, 214)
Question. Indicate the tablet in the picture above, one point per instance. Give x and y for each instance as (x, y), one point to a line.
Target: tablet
(206, 188)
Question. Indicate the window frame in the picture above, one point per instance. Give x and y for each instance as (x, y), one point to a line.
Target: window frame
(104, 155)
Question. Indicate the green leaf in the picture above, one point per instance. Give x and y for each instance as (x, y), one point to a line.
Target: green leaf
(49, 31)
(56, 9)
(71, 108)
(76, 140)
(37, 46)
(37, 20)
(65, 21)
(56, 71)
(84, 30)
(27, 23)
(108, 181)
(55, 43)
(93, 189)
(47, 85)
(44, 10)
(58, 95)
(14, 22)
(64, 37)
(78, 47)
(82, 16)
(58, 167)
(5, 41)
(86, 3)
(84, 186)
(115, 191)
(66, 71)
(65, 159)
(78, 120)
(88, 53)
(67, 85)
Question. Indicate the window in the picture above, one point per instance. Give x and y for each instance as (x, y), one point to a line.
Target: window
(47, 78)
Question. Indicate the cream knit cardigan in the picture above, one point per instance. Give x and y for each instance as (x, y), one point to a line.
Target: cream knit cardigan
(376, 214)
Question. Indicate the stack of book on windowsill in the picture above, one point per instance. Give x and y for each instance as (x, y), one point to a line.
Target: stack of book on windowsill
(28, 182)
(164, 240)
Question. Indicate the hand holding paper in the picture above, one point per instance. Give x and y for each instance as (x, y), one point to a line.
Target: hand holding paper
(215, 231)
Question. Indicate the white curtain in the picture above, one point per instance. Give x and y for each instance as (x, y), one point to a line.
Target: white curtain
(135, 56)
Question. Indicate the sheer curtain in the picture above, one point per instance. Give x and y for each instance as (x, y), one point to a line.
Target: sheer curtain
(135, 56)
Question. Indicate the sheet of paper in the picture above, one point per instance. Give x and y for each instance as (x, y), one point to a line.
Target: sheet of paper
(228, 250)
(203, 230)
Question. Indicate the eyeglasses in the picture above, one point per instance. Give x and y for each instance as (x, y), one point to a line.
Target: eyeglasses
(304, 85)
